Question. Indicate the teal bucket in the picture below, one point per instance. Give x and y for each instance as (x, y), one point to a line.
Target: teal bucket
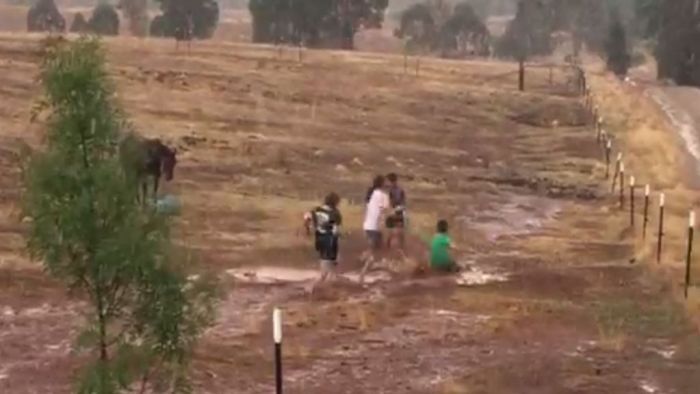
(168, 205)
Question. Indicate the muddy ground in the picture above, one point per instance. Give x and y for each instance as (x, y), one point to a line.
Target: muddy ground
(555, 300)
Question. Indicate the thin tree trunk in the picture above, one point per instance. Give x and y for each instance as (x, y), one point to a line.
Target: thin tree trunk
(102, 321)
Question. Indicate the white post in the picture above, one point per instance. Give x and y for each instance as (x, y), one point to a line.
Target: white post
(691, 219)
(647, 189)
(662, 200)
(277, 325)
(277, 336)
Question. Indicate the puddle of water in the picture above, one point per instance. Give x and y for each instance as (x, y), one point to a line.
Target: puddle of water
(648, 387)
(33, 312)
(666, 353)
(278, 275)
(270, 275)
(476, 276)
(8, 311)
(681, 121)
(521, 215)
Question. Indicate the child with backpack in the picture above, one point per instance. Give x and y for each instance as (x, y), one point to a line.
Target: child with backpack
(325, 222)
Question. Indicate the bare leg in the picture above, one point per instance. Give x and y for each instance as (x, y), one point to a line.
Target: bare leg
(367, 266)
(401, 235)
(322, 278)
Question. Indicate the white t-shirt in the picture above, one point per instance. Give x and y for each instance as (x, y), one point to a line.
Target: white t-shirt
(373, 212)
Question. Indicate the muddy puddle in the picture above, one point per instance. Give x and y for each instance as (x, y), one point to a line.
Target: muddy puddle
(475, 276)
(682, 122)
(282, 275)
(521, 215)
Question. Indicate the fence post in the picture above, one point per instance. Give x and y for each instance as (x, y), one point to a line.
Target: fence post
(622, 185)
(599, 129)
(646, 211)
(617, 172)
(691, 228)
(632, 201)
(661, 227)
(595, 114)
(277, 336)
(521, 75)
(608, 148)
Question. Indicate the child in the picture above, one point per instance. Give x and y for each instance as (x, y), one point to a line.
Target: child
(440, 258)
(377, 203)
(326, 221)
(396, 220)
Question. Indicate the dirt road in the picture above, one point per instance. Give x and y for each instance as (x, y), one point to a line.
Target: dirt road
(553, 301)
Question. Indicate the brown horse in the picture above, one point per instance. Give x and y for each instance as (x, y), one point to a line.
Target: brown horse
(143, 158)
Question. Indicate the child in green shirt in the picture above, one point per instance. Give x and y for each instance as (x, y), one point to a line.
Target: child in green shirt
(440, 246)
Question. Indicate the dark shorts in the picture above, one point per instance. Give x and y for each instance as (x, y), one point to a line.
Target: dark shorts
(395, 221)
(327, 247)
(452, 267)
(374, 238)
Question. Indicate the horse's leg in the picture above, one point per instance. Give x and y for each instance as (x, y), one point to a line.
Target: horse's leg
(144, 192)
(156, 180)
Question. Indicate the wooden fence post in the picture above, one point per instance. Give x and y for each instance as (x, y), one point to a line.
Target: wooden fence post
(662, 199)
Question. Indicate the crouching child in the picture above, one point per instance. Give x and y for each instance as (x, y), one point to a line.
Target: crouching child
(441, 246)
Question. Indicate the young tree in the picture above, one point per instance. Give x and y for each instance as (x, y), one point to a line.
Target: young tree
(618, 58)
(89, 231)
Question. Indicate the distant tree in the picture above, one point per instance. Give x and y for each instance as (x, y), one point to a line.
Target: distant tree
(104, 20)
(529, 33)
(464, 32)
(537, 21)
(677, 50)
(136, 11)
(417, 27)
(79, 24)
(459, 33)
(44, 16)
(328, 23)
(186, 18)
(88, 230)
(648, 14)
(618, 57)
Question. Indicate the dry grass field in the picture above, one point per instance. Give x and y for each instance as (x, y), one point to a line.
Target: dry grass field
(559, 298)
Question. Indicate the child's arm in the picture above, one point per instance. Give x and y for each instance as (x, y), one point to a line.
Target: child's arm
(454, 247)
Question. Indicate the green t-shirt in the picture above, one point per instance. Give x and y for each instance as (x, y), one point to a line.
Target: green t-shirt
(440, 251)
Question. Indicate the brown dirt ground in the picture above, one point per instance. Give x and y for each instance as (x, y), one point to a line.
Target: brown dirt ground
(263, 136)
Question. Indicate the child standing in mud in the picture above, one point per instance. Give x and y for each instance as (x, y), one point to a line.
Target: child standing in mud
(377, 203)
(396, 220)
(441, 259)
(326, 221)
